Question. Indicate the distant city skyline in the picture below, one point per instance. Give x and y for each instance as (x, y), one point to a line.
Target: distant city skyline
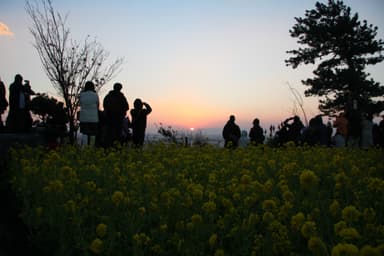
(195, 62)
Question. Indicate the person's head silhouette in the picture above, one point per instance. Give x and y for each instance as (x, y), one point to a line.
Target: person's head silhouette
(138, 104)
(18, 78)
(89, 86)
(117, 87)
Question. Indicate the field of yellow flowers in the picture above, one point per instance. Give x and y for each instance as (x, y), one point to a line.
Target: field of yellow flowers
(172, 200)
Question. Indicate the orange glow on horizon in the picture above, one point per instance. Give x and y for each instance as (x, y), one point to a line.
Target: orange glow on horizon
(186, 115)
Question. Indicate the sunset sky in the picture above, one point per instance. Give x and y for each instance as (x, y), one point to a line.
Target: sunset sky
(195, 62)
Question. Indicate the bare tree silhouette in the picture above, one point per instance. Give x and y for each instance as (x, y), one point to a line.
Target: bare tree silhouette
(68, 63)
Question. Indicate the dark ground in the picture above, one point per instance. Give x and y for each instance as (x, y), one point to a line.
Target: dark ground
(14, 235)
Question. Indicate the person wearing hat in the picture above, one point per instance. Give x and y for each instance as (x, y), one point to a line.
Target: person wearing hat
(115, 108)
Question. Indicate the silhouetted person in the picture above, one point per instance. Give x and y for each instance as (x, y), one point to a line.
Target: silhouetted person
(381, 132)
(341, 125)
(115, 108)
(89, 112)
(290, 130)
(354, 128)
(294, 128)
(60, 121)
(19, 119)
(231, 133)
(376, 135)
(28, 92)
(14, 123)
(329, 133)
(316, 133)
(256, 133)
(139, 121)
(366, 131)
(3, 103)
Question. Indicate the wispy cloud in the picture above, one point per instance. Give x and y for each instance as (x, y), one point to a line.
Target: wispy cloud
(4, 30)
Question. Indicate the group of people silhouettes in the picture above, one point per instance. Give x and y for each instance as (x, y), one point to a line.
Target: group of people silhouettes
(353, 129)
(232, 133)
(112, 125)
(101, 127)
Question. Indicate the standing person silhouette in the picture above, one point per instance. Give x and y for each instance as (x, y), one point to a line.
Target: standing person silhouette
(19, 118)
(3, 104)
(139, 121)
(231, 133)
(341, 125)
(256, 133)
(28, 92)
(89, 112)
(115, 108)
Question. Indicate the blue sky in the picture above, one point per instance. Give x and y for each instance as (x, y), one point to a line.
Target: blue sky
(196, 62)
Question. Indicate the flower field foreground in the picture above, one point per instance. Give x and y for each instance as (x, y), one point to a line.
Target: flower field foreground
(169, 200)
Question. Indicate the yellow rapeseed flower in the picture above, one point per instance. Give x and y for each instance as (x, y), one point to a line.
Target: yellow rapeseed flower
(196, 218)
(90, 185)
(117, 197)
(157, 249)
(268, 186)
(96, 246)
(308, 229)
(142, 210)
(180, 225)
(288, 196)
(101, 230)
(339, 226)
(212, 240)
(253, 219)
(39, 211)
(163, 227)
(269, 205)
(368, 250)
(268, 217)
(350, 214)
(219, 252)
(369, 215)
(141, 239)
(209, 207)
(349, 234)
(245, 179)
(317, 246)
(308, 179)
(334, 208)
(297, 221)
(212, 178)
(342, 249)
(68, 172)
(70, 206)
(197, 194)
(56, 186)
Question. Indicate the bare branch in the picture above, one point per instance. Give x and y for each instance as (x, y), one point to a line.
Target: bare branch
(67, 63)
(299, 101)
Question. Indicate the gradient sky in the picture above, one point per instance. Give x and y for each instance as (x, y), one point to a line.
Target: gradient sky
(195, 62)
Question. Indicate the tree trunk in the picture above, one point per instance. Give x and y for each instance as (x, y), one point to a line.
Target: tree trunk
(72, 131)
